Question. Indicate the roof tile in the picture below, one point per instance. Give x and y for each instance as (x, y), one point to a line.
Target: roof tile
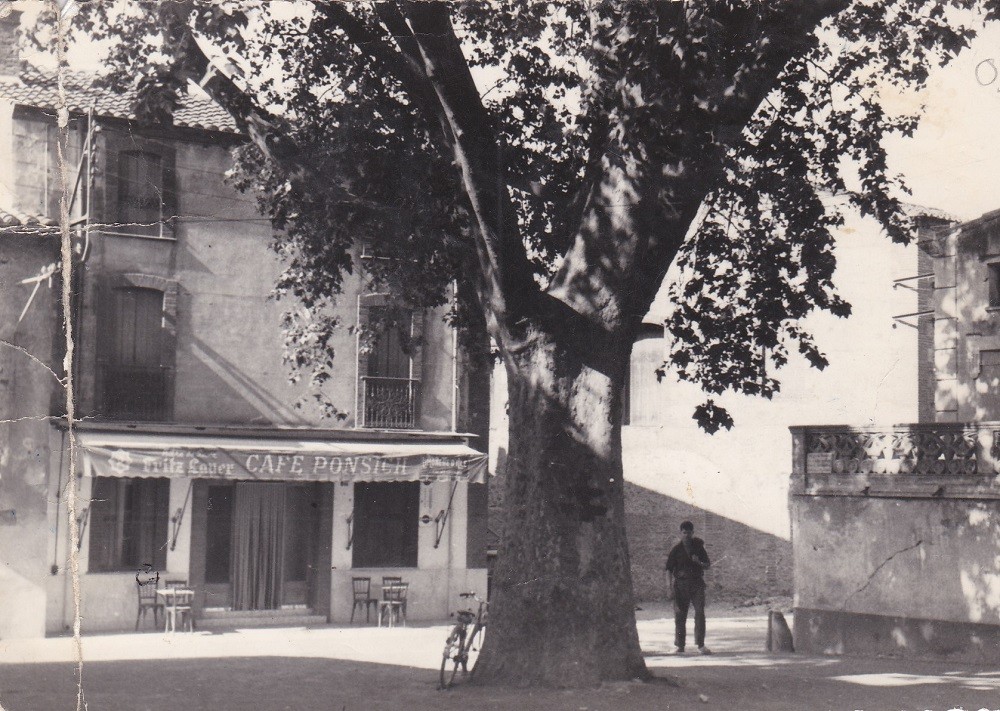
(40, 89)
(10, 217)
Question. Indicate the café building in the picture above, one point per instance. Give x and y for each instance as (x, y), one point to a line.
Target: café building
(193, 455)
(274, 520)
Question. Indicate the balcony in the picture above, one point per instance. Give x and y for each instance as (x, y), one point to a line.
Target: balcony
(389, 403)
(939, 459)
(135, 393)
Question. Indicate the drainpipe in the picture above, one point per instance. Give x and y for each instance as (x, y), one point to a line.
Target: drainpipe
(454, 365)
(357, 362)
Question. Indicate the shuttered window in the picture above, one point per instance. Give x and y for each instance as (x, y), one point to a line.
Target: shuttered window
(134, 381)
(140, 193)
(643, 392)
(388, 358)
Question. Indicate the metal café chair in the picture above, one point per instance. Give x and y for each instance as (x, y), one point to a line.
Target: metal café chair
(149, 599)
(362, 591)
(393, 602)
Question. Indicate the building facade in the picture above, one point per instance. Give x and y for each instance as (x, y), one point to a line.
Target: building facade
(191, 460)
(895, 530)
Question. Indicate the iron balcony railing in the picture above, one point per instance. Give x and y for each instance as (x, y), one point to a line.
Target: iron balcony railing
(389, 403)
(135, 393)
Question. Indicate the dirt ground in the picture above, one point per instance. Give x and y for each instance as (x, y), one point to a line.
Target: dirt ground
(365, 669)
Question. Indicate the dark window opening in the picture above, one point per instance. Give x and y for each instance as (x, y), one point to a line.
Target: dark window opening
(135, 384)
(385, 524)
(301, 515)
(128, 524)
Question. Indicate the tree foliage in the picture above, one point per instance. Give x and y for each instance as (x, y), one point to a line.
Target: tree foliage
(765, 119)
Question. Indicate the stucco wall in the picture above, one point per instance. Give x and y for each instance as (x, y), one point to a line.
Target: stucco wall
(26, 387)
(896, 575)
(441, 572)
(228, 365)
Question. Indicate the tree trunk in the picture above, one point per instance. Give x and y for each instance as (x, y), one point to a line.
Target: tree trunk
(563, 611)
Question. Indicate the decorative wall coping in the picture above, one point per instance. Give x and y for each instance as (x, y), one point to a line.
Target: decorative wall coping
(945, 460)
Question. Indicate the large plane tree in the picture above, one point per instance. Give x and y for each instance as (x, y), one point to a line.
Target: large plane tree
(555, 159)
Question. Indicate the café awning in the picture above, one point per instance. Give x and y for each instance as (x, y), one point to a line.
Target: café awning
(142, 455)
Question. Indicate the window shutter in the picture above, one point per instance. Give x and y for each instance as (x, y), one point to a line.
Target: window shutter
(169, 208)
(102, 521)
(136, 183)
(644, 394)
(110, 144)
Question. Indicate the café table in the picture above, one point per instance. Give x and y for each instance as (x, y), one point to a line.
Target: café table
(393, 602)
(177, 601)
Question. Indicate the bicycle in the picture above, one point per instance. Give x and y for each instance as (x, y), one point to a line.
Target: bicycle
(462, 646)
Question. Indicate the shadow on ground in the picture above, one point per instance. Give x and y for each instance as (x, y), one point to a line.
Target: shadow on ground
(276, 683)
(339, 670)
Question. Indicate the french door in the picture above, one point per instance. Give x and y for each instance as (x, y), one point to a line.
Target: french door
(260, 544)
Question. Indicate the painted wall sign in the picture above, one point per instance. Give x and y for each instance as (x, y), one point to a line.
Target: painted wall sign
(216, 463)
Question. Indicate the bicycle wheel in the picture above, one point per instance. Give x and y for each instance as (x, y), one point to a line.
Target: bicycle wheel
(453, 654)
(472, 647)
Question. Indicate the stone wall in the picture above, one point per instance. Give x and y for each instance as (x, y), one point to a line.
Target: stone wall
(746, 563)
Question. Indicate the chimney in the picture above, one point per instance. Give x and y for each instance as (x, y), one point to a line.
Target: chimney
(10, 52)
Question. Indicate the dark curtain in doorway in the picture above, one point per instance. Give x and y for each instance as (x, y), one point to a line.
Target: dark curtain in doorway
(258, 542)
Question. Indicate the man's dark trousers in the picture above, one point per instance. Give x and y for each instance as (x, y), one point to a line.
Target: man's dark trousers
(689, 592)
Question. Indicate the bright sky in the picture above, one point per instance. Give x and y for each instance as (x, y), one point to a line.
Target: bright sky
(951, 162)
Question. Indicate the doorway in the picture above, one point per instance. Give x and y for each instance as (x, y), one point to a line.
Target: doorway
(260, 544)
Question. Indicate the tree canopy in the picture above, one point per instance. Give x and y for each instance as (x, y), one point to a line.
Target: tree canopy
(762, 117)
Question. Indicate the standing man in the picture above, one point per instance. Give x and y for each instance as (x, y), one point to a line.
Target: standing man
(686, 566)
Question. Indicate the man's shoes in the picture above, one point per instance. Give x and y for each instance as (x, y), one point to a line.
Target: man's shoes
(678, 650)
(704, 650)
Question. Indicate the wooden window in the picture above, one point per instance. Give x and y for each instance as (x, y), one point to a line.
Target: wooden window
(140, 193)
(385, 524)
(135, 385)
(389, 358)
(643, 401)
(128, 524)
(994, 284)
(390, 396)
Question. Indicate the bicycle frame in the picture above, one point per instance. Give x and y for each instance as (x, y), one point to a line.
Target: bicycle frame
(460, 641)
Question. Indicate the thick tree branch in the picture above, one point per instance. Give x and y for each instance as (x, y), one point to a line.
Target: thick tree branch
(655, 208)
(402, 62)
(790, 31)
(511, 290)
(406, 65)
